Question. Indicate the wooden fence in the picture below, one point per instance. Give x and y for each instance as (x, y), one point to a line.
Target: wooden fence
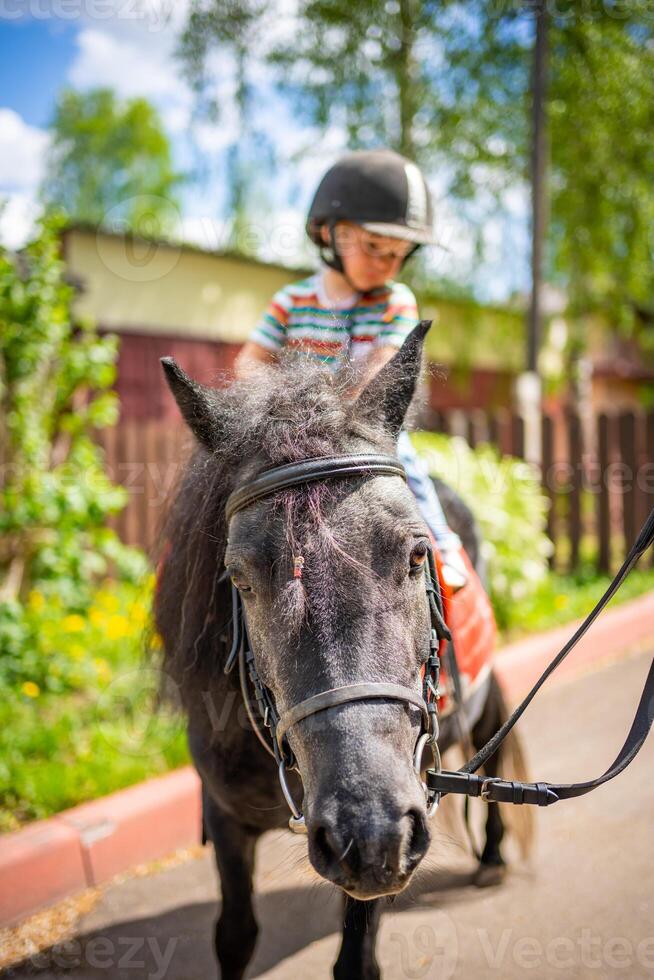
(597, 471)
(147, 458)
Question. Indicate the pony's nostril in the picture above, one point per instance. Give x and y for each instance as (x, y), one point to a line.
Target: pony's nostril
(335, 854)
(323, 845)
(389, 855)
(350, 859)
(417, 840)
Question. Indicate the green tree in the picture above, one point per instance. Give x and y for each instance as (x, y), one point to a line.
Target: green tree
(448, 84)
(601, 111)
(232, 29)
(55, 377)
(368, 67)
(602, 117)
(110, 161)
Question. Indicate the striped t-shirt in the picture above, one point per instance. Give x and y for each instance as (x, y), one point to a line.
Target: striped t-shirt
(300, 317)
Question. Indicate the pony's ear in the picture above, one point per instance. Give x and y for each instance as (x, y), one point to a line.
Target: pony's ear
(198, 404)
(386, 398)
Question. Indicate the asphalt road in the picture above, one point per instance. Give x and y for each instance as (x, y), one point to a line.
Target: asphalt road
(582, 907)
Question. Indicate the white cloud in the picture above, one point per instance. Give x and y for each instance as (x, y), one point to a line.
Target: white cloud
(22, 156)
(22, 149)
(131, 65)
(18, 213)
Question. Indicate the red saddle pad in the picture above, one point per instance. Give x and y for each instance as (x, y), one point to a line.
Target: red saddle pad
(469, 615)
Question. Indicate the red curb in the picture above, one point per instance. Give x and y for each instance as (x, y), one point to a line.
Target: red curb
(39, 864)
(137, 824)
(85, 846)
(88, 844)
(519, 665)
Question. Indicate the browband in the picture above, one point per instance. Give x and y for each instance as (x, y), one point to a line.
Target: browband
(308, 470)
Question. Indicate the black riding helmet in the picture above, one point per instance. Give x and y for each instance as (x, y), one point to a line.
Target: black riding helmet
(378, 189)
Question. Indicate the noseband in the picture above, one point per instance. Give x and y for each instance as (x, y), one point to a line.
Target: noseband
(299, 474)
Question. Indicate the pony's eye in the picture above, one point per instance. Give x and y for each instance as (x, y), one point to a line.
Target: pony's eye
(240, 584)
(418, 557)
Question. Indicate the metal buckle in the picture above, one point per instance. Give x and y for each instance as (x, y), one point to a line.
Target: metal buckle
(433, 798)
(296, 822)
(485, 789)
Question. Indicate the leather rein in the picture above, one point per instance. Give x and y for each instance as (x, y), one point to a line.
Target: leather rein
(438, 782)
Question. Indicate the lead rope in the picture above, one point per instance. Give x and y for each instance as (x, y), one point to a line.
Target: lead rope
(496, 790)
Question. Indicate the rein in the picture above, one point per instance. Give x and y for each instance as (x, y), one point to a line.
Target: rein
(495, 790)
(439, 782)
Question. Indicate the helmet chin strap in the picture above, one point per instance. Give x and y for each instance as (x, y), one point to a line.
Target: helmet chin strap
(331, 256)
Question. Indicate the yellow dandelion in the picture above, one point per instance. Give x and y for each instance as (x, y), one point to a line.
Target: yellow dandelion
(36, 600)
(97, 618)
(108, 601)
(561, 601)
(30, 689)
(138, 613)
(118, 628)
(74, 623)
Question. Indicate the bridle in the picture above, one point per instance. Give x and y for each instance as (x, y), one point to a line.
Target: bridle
(439, 782)
(299, 474)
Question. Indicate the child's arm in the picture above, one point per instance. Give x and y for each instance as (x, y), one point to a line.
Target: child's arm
(268, 337)
(250, 355)
(397, 322)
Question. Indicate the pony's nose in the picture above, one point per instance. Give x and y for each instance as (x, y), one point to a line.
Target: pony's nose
(370, 861)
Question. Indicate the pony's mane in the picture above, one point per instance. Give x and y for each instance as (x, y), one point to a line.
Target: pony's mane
(283, 413)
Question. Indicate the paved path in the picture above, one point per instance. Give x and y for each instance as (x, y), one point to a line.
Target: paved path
(584, 907)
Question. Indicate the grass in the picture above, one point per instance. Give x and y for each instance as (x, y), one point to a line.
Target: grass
(563, 598)
(70, 749)
(77, 716)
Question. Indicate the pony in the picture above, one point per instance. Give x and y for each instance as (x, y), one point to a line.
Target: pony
(357, 612)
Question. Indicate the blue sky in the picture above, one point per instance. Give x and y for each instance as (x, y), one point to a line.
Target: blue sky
(36, 57)
(128, 45)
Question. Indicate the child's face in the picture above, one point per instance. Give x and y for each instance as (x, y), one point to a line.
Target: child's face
(369, 260)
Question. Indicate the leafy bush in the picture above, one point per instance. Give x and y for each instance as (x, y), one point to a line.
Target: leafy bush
(79, 720)
(558, 599)
(506, 498)
(55, 498)
(69, 645)
(49, 649)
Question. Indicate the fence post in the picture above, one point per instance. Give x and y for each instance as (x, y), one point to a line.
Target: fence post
(574, 515)
(494, 433)
(649, 456)
(471, 434)
(517, 436)
(547, 462)
(603, 496)
(627, 437)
